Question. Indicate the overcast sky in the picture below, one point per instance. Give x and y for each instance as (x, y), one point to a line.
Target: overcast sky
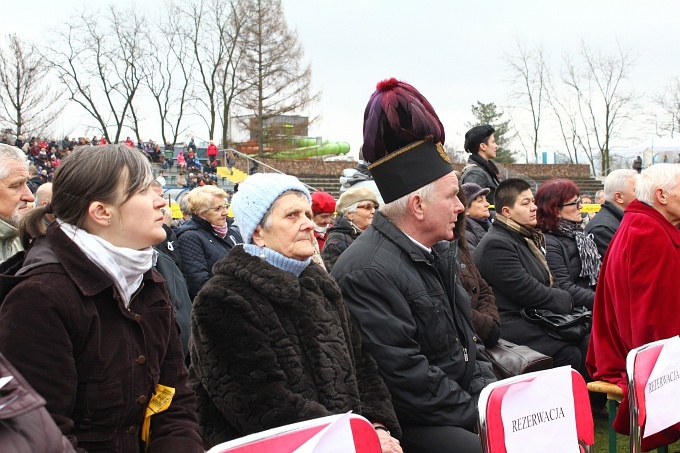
(451, 50)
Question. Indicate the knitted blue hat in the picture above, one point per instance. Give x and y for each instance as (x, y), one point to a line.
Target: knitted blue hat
(256, 195)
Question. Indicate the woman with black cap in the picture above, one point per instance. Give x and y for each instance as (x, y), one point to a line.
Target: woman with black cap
(477, 213)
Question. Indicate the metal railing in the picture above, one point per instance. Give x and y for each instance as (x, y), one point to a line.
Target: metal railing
(260, 166)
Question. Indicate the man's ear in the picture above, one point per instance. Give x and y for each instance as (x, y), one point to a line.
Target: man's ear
(257, 237)
(415, 204)
(660, 196)
(618, 198)
(506, 212)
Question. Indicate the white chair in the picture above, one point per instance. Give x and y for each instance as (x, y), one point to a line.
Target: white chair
(287, 439)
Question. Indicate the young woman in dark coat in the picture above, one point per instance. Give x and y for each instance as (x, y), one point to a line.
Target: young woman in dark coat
(272, 340)
(485, 317)
(572, 256)
(511, 258)
(86, 319)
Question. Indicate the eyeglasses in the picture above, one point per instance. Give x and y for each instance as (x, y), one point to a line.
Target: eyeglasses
(224, 208)
(577, 203)
(369, 206)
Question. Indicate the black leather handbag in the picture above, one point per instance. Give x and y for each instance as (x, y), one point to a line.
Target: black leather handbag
(510, 359)
(570, 327)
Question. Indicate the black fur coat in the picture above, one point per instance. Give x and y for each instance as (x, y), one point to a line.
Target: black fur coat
(269, 349)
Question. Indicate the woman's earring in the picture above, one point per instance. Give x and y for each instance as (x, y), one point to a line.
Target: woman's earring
(109, 220)
(262, 257)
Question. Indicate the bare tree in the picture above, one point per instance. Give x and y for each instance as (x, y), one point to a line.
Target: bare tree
(167, 74)
(669, 101)
(273, 62)
(28, 104)
(529, 81)
(232, 85)
(97, 59)
(603, 104)
(214, 46)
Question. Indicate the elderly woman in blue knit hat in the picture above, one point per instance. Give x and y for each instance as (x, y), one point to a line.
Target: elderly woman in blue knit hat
(272, 339)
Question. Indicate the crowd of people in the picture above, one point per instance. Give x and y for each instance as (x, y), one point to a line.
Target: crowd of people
(177, 335)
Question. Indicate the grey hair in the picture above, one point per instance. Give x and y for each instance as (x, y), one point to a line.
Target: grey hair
(395, 210)
(658, 176)
(7, 153)
(351, 208)
(184, 204)
(599, 195)
(616, 181)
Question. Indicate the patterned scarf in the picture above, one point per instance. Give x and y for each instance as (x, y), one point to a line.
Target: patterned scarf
(220, 230)
(535, 240)
(587, 250)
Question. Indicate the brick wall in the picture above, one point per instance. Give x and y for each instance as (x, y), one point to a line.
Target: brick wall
(317, 167)
(309, 167)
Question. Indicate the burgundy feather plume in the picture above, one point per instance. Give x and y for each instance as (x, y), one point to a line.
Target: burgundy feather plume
(396, 115)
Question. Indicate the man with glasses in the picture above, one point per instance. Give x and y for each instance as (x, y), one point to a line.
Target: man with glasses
(399, 278)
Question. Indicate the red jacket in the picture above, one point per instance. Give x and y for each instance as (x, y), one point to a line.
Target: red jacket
(636, 302)
(212, 150)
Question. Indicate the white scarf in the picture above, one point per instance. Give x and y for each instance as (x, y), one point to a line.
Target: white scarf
(125, 266)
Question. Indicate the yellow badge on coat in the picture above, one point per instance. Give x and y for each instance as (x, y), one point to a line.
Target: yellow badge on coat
(159, 402)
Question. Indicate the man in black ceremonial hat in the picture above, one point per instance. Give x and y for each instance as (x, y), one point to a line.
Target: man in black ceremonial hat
(399, 277)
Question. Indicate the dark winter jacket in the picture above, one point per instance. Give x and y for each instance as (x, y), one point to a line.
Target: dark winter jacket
(34, 183)
(96, 362)
(604, 225)
(519, 281)
(270, 349)
(415, 319)
(485, 318)
(25, 425)
(170, 247)
(200, 248)
(565, 264)
(479, 171)
(179, 296)
(340, 237)
(474, 232)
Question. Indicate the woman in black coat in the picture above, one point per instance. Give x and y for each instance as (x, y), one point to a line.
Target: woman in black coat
(572, 256)
(272, 340)
(511, 259)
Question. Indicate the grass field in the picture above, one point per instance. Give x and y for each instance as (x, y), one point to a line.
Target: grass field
(622, 442)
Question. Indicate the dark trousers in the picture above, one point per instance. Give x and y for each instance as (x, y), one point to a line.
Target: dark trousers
(438, 439)
(574, 355)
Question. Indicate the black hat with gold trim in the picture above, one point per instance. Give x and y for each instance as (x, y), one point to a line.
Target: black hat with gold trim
(403, 140)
